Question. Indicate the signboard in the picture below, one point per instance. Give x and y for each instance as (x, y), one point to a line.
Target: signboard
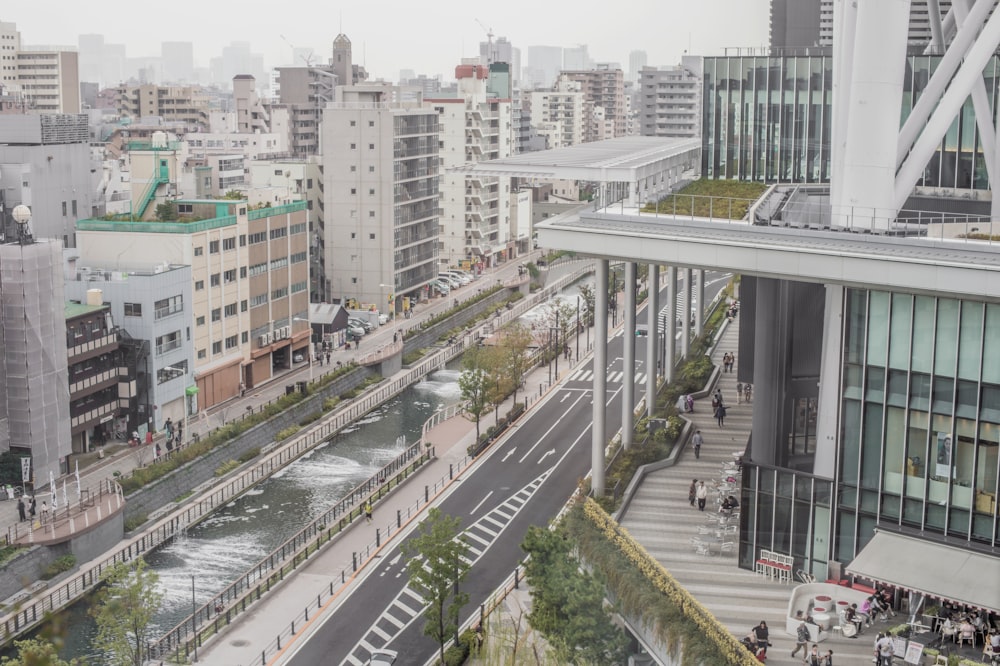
(914, 653)
(944, 449)
(25, 470)
(898, 646)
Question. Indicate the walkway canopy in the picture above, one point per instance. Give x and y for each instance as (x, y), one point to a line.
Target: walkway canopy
(934, 569)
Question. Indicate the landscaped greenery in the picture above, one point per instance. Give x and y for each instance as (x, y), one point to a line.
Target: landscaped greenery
(452, 311)
(9, 552)
(226, 467)
(727, 199)
(59, 565)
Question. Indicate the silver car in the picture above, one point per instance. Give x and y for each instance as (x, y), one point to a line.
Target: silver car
(383, 657)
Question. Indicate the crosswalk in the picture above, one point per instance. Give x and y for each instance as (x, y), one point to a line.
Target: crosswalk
(613, 377)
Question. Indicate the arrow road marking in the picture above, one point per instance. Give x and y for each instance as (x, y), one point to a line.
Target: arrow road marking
(508, 454)
(550, 452)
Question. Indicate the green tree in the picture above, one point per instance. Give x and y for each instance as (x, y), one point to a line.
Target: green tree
(124, 612)
(517, 341)
(166, 211)
(589, 300)
(475, 383)
(35, 652)
(438, 563)
(568, 604)
(561, 315)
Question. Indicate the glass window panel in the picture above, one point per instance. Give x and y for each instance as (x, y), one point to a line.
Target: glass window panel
(946, 337)
(871, 453)
(854, 344)
(803, 488)
(916, 454)
(935, 514)
(785, 483)
(845, 547)
(913, 512)
(823, 491)
(852, 382)
(897, 388)
(965, 405)
(895, 443)
(989, 409)
(970, 341)
(878, 327)
(876, 385)
(920, 392)
(987, 465)
(958, 524)
(923, 334)
(899, 339)
(991, 352)
(944, 395)
(852, 441)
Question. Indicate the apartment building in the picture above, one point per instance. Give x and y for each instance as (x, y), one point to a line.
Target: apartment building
(250, 280)
(304, 91)
(381, 196)
(604, 87)
(476, 126)
(49, 79)
(187, 104)
(558, 114)
(670, 99)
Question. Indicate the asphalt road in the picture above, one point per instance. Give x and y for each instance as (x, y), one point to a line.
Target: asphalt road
(524, 480)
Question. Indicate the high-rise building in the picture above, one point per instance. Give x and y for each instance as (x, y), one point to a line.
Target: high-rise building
(558, 115)
(636, 61)
(10, 44)
(49, 79)
(304, 91)
(544, 63)
(795, 23)
(348, 73)
(670, 99)
(381, 195)
(577, 58)
(476, 126)
(177, 62)
(501, 50)
(604, 87)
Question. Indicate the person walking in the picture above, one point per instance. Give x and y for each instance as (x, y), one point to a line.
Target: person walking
(368, 511)
(813, 658)
(739, 392)
(692, 492)
(884, 649)
(31, 509)
(720, 414)
(702, 495)
(45, 512)
(697, 441)
(802, 640)
(20, 510)
(760, 634)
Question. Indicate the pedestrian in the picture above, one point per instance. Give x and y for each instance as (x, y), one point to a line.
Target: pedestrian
(720, 414)
(328, 358)
(732, 361)
(885, 650)
(739, 392)
(702, 495)
(682, 403)
(689, 403)
(368, 511)
(813, 658)
(747, 393)
(20, 510)
(828, 658)
(697, 441)
(801, 640)
(31, 508)
(243, 389)
(692, 491)
(760, 634)
(45, 512)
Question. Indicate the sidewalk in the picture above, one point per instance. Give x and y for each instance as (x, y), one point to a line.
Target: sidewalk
(120, 459)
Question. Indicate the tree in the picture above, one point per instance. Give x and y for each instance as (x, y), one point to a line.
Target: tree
(475, 383)
(438, 562)
(499, 384)
(124, 613)
(166, 211)
(35, 652)
(560, 315)
(568, 604)
(517, 342)
(588, 293)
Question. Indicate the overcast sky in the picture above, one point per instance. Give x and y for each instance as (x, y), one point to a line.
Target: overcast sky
(427, 37)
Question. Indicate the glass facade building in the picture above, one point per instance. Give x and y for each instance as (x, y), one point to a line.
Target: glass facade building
(768, 119)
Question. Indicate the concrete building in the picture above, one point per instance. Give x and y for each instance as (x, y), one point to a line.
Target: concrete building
(10, 45)
(475, 212)
(795, 24)
(45, 164)
(304, 91)
(544, 63)
(558, 115)
(381, 196)
(151, 304)
(34, 383)
(348, 72)
(187, 104)
(636, 61)
(250, 281)
(670, 99)
(49, 79)
(577, 58)
(501, 50)
(602, 87)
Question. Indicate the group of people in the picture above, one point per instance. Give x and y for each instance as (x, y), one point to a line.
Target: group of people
(810, 657)
(744, 392)
(962, 626)
(728, 361)
(698, 492)
(719, 408)
(734, 309)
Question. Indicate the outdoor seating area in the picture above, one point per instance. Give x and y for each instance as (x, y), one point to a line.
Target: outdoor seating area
(775, 566)
(718, 535)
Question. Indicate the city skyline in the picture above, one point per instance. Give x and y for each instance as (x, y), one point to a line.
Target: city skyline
(453, 31)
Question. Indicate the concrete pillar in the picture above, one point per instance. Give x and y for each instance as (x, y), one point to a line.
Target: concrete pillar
(652, 339)
(670, 335)
(699, 293)
(828, 416)
(628, 358)
(686, 324)
(768, 370)
(597, 438)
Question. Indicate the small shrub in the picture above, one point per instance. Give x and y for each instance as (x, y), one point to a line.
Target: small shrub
(315, 416)
(226, 468)
(285, 433)
(330, 403)
(7, 553)
(249, 454)
(183, 496)
(135, 521)
(59, 565)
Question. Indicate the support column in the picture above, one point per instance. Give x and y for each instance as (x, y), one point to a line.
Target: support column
(628, 359)
(768, 370)
(652, 340)
(670, 334)
(597, 438)
(686, 324)
(828, 416)
(699, 311)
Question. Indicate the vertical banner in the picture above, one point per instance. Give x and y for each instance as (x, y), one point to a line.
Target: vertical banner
(944, 452)
(25, 470)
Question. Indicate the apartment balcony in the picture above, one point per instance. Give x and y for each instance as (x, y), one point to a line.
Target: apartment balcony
(97, 413)
(81, 347)
(97, 381)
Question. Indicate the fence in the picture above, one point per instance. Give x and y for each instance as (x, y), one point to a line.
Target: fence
(64, 520)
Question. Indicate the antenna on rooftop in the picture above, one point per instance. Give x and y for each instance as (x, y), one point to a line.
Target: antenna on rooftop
(490, 54)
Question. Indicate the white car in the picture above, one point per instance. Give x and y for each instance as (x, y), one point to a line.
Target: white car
(383, 657)
(383, 319)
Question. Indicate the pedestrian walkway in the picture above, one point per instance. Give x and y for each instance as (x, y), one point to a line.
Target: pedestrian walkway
(661, 519)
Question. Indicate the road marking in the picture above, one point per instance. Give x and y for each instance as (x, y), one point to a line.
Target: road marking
(551, 428)
(550, 452)
(508, 454)
(476, 508)
(563, 399)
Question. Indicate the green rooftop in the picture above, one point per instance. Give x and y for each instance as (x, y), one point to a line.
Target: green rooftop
(208, 214)
(74, 309)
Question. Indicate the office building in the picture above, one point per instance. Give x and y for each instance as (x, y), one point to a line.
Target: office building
(795, 23)
(577, 58)
(10, 45)
(304, 91)
(49, 79)
(670, 99)
(636, 61)
(558, 115)
(381, 196)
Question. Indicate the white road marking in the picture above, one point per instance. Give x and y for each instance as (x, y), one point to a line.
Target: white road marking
(551, 428)
(476, 508)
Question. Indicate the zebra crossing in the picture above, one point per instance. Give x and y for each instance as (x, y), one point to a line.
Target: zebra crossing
(612, 377)
(408, 605)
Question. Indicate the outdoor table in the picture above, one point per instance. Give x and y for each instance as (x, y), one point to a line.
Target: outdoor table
(821, 618)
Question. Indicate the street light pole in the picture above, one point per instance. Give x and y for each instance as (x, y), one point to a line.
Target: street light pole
(194, 619)
(578, 327)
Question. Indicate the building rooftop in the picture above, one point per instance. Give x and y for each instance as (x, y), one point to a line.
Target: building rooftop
(74, 309)
(224, 215)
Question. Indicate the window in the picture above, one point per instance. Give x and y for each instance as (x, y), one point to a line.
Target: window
(213, 247)
(280, 292)
(278, 172)
(245, 337)
(168, 306)
(243, 240)
(172, 371)
(64, 207)
(354, 123)
(200, 321)
(280, 232)
(199, 285)
(299, 286)
(371, 146)
(259, 237)
(243, 305)
(354, 146)
(258, 269)
(298, 257)
(229, 276)
(354, 190)
(309, 183)
(353, 235)
(371, 169)
(300, 228)
(74, 207)
(259, 299)
(371, 123)
(280, 262)
(371, 236)
(202, 354)
(216, 347)
(217, 314)
(198, 251)
(232, 341)
(243, 272)
(133, 309)
(354, 168)
(215, 280)
(231, 310)
(229, 243)
(371, 213)
(168, 342)
(371, 191)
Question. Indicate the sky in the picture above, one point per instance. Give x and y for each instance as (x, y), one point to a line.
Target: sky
(387, 36)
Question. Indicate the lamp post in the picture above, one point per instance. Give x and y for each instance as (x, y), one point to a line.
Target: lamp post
(194, 619)
(578, 328)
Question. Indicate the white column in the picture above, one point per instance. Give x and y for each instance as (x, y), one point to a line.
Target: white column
(875, 94)
(597, 442)
(699, 311)
(686, 324)
(828, 416)
(628, 358)
(652, 339)
(845, 17)
(670, 335)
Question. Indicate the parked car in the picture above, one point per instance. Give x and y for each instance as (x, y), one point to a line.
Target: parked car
(383, 658)
(362, 323)
(454, 283)
(463, 278)
(443, 288)
(383, 319)
(355, 331)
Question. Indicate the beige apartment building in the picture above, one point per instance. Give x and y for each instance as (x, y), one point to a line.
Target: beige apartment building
(559, 114)
(187, 104)
(250, 284)
(49, 80)
(602, 87)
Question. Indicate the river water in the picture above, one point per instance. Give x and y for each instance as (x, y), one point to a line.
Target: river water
(240, 534)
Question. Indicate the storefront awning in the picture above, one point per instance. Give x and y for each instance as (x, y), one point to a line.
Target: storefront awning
(934, 569)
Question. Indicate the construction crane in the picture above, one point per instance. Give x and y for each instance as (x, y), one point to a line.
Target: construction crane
(307, 59)
(490, 54)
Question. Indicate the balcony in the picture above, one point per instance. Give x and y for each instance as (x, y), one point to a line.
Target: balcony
(81, 346)
(97, 380)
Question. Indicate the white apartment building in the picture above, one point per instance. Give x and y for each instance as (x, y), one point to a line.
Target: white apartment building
(670, 99)
(46, 77)
(475, 211)
(380, 196)
(558, 114)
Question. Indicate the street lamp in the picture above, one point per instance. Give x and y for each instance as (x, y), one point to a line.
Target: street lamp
(194, 619)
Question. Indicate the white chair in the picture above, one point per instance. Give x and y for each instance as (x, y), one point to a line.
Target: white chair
(703, 548)
(727, 547)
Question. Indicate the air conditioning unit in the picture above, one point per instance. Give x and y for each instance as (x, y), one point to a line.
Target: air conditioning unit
(261, 340)
(279, 333)
(288, 332)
